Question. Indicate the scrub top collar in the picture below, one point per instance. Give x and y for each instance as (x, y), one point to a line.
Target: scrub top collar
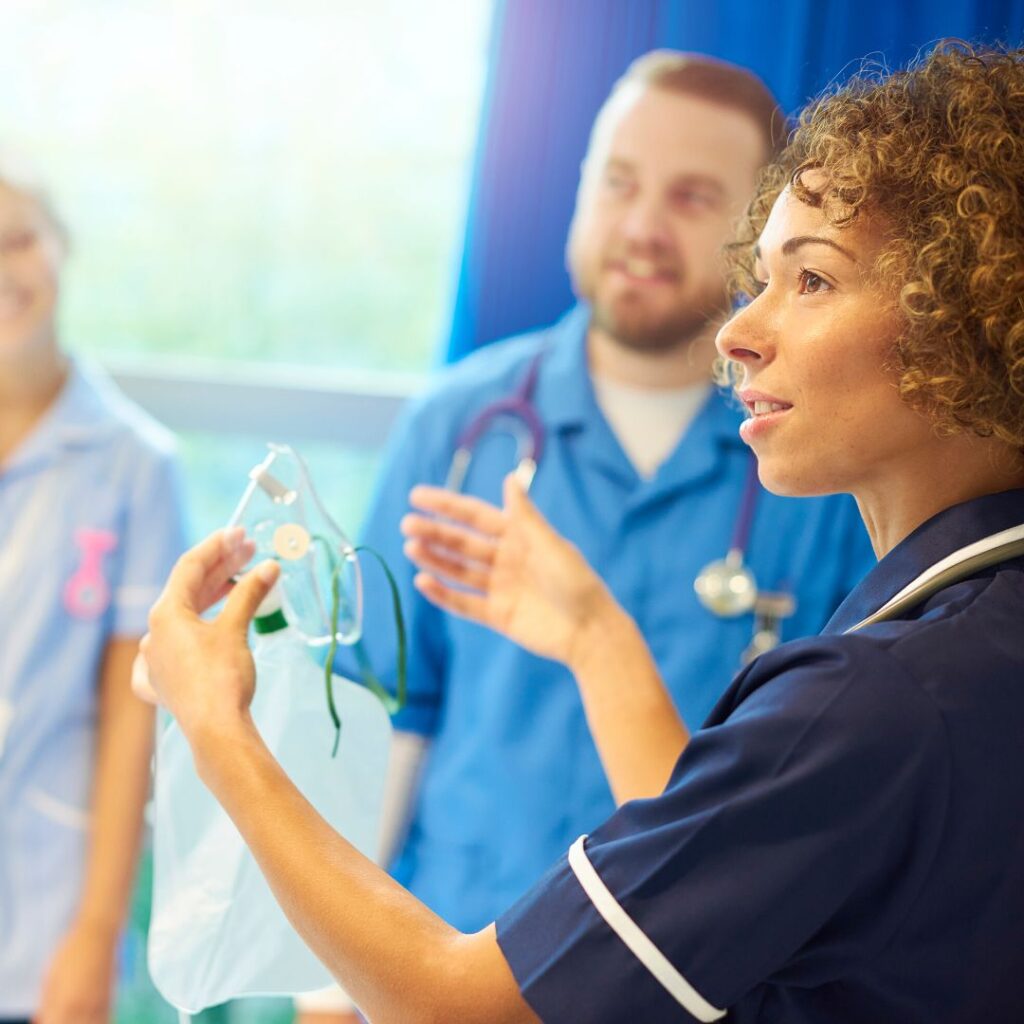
(565, 397)
(566, 402)
(935, 539)
(79, 417)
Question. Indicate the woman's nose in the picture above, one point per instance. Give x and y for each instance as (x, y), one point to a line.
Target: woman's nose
(744, 339)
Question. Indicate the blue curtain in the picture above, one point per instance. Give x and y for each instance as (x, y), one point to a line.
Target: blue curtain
(552, 64)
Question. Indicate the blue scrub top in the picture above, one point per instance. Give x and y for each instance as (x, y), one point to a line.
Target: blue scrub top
(843, 841)
(94, 463)
(513, 775)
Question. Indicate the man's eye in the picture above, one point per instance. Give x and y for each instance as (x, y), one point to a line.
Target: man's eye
(616, 182)
(693, 199)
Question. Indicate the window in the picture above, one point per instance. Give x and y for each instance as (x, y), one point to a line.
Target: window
(265, 199)
(260, 181)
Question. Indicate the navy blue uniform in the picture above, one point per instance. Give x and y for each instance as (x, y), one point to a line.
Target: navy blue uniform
(843, 841)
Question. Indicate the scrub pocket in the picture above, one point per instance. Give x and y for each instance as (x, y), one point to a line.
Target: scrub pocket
(44, 865)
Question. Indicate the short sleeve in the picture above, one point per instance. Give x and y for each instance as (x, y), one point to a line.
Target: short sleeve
(412, 457)
(153, 537)
(821, 795)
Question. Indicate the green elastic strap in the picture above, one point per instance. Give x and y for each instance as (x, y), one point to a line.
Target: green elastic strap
(393, 703)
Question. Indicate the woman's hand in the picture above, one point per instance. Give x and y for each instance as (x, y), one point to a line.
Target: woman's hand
(79, 981)
(202, 669)
(506, 569)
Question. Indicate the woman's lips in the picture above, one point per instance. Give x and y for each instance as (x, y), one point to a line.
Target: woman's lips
(764, 412)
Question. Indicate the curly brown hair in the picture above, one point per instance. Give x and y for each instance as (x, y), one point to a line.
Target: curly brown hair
(936, 152)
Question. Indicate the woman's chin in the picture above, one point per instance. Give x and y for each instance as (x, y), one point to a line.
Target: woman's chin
(788, 481)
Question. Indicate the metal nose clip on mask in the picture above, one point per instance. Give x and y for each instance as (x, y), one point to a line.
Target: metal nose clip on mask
(517, 416)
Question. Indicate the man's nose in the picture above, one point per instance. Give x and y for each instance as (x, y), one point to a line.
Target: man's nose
(645, 222)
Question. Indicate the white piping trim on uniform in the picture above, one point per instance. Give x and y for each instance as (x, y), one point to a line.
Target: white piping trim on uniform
(638, 943)
(57, 810)
(135, 595)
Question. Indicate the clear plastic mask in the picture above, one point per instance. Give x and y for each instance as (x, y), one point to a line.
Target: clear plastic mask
(281, 512)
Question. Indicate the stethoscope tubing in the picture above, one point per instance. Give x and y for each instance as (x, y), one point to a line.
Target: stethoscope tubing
(983, 554)
(517, 407)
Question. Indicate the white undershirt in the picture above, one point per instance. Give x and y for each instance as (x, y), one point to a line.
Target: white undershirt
(649, 422)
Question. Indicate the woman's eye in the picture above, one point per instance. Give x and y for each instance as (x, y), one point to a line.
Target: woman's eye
(812, 283)
(17, 241)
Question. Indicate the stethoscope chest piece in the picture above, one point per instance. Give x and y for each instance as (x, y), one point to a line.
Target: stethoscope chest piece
(727, 587)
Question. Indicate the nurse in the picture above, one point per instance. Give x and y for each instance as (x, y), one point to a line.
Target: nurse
(89, 526)
(842, 840)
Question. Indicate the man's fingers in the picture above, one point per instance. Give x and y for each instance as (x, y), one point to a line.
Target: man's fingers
(456, 539)
(248, 593)
(517, 503)
(475, 513)
(206, 567)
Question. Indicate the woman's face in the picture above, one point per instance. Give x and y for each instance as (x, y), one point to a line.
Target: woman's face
(30, 255)
(823, 414)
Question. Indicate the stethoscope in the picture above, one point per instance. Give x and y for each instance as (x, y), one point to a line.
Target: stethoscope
(517, 415)
(968, 560)
(726, 587)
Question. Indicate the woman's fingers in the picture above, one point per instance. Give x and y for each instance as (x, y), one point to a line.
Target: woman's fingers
(455, 539)
(475, 513)
(205, 570)
(458, 602)
(141, 685)
(247, 595)
(435, 561)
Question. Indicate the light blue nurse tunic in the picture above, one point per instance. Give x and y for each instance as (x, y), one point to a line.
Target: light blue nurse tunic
(90, 525)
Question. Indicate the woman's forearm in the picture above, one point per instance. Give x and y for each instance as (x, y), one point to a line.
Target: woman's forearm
(397, 960)
(636, 727)
(120, 787)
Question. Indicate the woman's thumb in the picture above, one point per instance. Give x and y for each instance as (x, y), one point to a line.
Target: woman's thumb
(248, 593)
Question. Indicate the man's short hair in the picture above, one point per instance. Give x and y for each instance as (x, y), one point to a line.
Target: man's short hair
(711, 79)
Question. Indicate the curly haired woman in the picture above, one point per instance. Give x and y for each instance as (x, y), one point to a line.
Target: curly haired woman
(843, 840)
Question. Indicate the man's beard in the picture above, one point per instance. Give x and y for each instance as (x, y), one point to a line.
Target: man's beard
(636, 329)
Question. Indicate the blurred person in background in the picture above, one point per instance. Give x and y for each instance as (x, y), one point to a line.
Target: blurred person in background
(90, 523)
(642, 468)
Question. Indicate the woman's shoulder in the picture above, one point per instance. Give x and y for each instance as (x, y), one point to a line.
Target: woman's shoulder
(122, 423)
(838, 687)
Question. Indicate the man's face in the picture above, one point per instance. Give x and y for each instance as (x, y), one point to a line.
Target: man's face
(665, 179)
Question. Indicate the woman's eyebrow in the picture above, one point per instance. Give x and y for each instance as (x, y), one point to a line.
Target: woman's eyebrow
(791, 245)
